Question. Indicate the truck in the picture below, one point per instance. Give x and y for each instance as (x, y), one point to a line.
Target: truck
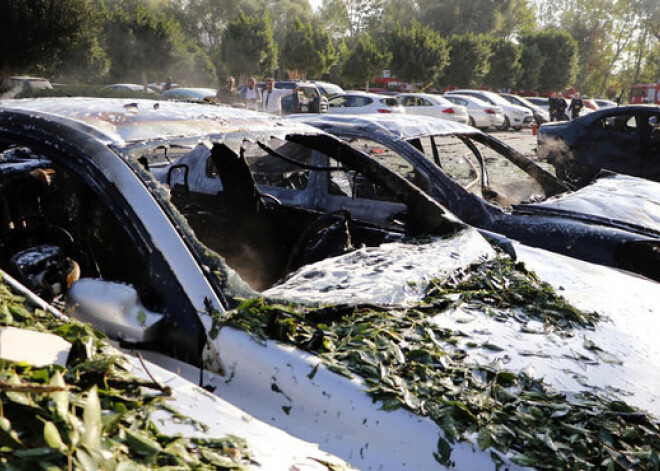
(645, 93)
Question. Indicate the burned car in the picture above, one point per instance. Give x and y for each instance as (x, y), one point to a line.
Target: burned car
(623, 139)
(486, 183)
(385, 329)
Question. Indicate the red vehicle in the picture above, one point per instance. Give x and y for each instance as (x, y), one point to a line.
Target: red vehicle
(645, 93)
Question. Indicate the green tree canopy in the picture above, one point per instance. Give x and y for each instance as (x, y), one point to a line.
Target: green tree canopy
(469, 61)
(418, 53)
(248, 47)
(35, 34)
(559, 51)
(504, 64)
(365, 61)
(307, 50)
(139, 42)
(349, 17)
(531, 63)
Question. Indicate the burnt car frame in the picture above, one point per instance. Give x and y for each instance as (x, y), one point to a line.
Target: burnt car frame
(79, 176)
(624, 139)
(531, 206)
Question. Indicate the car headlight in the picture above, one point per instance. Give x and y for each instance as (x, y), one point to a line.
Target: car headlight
(639, 256)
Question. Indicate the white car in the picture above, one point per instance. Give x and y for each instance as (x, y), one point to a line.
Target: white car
(515, 116)
(604, 103)
(436, 106)
(360, 102)
(482, 115)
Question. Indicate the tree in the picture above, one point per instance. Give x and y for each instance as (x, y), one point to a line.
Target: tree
(364, 61)
(502, 18)
(559, 52)
(248, 47)
(532, 61)
(418, 53)
(468, 61)
(349, 17)
(139, 43)
(205, 20)
(394, 12)
(504, 64)
(35, 34)
(307, 49)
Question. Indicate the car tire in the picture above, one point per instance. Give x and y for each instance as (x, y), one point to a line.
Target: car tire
(505, 125)
(471, 122)
(572, 172)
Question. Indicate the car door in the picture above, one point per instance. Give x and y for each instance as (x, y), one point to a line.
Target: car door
(613, 142)
(651, 144)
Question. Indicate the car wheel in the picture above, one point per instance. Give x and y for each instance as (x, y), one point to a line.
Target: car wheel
(471, 122)
(575, 173)
(517, 128)
(505, 125)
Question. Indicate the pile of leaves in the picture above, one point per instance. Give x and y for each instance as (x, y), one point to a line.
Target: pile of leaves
(409, 361)
(93, 413)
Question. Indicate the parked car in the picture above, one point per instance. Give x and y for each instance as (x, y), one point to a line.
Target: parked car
(311, 98)
(515, 116)
(425, 329)
(425, 104)
(129, 87)
(362, 102)
(24, 83)
(451, 163)
(540, 115)
(604, 103)
(589, 103)
(328, 89)
(540, 101)
(308, 99)
(189, 94)
(166, 416)
(481, 114)
(625, 139)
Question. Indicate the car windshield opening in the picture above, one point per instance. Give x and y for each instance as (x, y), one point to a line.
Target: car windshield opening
(279, 205)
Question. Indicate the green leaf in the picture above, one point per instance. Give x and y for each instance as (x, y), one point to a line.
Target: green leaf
(52, 436)
(91, 437)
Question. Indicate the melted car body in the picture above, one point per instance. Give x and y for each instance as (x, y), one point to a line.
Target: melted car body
(623, 139)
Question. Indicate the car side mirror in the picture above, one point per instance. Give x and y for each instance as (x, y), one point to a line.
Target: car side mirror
(114, 308)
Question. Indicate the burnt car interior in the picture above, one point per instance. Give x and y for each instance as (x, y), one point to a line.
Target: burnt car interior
(65, 239)
(284, 205)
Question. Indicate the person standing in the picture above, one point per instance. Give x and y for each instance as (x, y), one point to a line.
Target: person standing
(251, 95)
(228, 95)
(272, 97)
(553, 104)
(576, 105)
(561, 107)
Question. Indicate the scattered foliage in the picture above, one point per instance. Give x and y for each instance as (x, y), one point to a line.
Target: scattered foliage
(408, 361)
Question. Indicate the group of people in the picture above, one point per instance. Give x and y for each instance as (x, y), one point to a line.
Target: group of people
(250, 96)
(561, 110)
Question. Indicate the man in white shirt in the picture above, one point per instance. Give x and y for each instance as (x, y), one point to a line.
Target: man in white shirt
(271, 99)
(251, 95)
